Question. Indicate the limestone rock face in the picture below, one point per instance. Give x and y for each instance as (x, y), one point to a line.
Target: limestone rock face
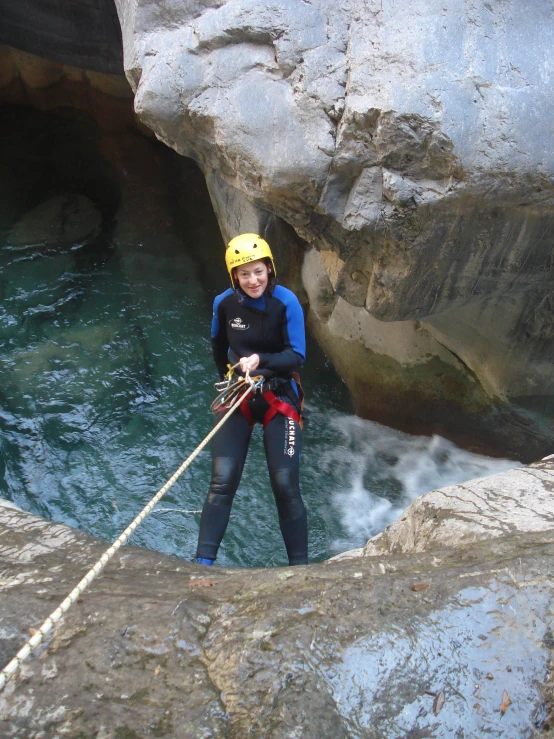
(409, 146)
(444, 643)
(517, 501)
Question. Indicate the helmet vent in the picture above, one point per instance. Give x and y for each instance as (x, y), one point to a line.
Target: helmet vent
(255, 246)
(237, 251)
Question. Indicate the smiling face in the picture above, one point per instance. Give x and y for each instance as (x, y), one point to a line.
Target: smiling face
(253, 278)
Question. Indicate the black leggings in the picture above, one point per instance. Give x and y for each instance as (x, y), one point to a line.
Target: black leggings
(282, 442)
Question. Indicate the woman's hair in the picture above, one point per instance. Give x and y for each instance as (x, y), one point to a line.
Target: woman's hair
(271, 280)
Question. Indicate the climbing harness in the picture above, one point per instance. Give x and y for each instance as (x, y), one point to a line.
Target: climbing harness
(264, 391)
(275, 406)
(231, 385)
(231, 401)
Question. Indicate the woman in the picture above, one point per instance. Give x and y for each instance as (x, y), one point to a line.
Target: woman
(259, 325)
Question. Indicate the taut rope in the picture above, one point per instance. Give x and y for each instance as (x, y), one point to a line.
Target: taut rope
(13, 666)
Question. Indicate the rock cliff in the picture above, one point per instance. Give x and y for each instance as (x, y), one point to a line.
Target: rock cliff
(405, 152)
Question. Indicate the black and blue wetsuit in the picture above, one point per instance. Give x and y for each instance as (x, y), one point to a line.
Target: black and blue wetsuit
(271, 326)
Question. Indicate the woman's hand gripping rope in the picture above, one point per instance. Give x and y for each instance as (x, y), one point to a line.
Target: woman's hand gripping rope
(249, 385)
(231, 386)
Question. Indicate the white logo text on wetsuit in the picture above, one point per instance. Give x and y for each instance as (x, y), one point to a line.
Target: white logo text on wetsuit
(237, 324)
(290, 437)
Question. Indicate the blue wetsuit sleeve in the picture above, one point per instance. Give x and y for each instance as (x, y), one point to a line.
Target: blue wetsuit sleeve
(293, 335)
(220, 344)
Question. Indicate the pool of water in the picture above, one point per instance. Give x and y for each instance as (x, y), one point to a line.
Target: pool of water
(110, 257)
(106, 378)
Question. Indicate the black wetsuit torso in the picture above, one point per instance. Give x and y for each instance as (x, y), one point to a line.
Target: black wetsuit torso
(271, 326)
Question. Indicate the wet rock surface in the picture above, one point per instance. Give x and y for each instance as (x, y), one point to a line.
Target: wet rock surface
(451, 642)
(519, 500)
(405, 146)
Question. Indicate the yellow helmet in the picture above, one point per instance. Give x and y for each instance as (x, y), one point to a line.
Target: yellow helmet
(244, 249)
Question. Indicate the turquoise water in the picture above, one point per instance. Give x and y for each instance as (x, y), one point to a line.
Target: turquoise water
(108, 269)
(106, 378)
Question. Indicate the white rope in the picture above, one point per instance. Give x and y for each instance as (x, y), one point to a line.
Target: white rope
(13, 666)
(164, 511)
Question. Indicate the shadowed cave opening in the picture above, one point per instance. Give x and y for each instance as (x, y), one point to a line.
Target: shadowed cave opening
(110, 259)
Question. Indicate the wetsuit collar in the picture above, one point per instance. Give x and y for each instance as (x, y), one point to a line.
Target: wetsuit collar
(257, 303)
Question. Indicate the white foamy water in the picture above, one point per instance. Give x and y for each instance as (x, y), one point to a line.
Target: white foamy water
(372, 473)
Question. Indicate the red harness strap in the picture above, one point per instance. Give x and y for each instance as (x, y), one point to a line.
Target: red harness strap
(279, 406)
(275, 406)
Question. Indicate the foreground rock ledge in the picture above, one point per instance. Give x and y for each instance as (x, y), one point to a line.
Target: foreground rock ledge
(447, 642)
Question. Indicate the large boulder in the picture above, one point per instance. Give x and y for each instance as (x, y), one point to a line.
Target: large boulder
(516, 501)
(409, 147)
